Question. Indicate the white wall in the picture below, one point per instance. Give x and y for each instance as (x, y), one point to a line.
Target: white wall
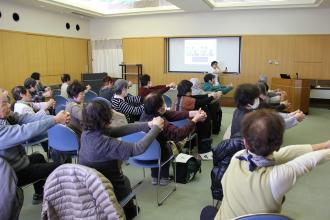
(35, 20)
(240, 22)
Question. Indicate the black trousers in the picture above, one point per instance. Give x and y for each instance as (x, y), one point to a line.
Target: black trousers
(120, 182)
(165, 154)
(38, 169)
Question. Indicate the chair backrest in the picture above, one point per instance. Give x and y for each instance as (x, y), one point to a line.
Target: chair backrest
(59, 108)
(74, 191)
(63, 138)
(180, 123)
(103, 99)
(263, 216)
(60, 100)
(168, 101)
(56, 92)
(89, 96)
(153, 151)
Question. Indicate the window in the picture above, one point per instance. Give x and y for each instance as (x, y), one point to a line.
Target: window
(196, 54)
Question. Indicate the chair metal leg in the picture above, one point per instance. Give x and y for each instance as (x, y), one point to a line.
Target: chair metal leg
(160, 202)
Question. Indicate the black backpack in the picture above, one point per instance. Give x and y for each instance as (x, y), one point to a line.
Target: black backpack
(186, 172)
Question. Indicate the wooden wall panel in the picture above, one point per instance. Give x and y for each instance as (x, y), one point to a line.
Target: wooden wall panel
(75, 57)
(37, 54)
(15, 59)
(23, 53)
(270, 55)
(55, 60)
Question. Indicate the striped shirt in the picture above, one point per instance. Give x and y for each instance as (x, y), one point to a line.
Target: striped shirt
(130, 106)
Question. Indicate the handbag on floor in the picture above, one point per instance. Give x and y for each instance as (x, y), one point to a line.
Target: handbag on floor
(187, 167)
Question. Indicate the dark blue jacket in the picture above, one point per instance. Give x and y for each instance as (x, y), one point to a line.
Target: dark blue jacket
(222, 155)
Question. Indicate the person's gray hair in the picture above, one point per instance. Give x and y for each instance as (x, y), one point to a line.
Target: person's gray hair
(263, 78)
(119, 85)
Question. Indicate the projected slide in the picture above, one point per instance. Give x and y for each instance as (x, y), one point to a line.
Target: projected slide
(200, 51)
(196, 54)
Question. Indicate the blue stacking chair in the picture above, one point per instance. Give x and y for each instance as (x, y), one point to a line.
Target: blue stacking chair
(151, 158)
(89, 96)
(60, 103)
(59, 108)
(263, 216)
(56, 92)
(33, 142)
(104, 100)
(168, 101)
(60, 100)
(64, 139)
(191, 136)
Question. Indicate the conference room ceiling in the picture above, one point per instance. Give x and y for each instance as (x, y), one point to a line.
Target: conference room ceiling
(110, 8)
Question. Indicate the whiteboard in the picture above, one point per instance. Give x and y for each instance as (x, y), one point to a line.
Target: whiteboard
(196, 54)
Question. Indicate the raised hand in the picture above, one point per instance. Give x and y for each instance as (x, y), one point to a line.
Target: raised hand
(159, 122)
(62, 117)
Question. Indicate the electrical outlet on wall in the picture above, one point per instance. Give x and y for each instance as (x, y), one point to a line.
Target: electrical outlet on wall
(276, 62)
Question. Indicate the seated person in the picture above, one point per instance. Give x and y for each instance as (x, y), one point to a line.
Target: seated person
(214, 107)
(5, 93)
(196, 88)
(100, 148)
(16, 129)
(146, 86)
(65, 78)
(24, 104)
(106, 90)
(247, 100)
(37, 96)
(273, 97)
(131, 106)
(76, 92)
(264, 172)
(186, 102)
(209, 85)
(264, 100)
(154, 106)
(40, 87)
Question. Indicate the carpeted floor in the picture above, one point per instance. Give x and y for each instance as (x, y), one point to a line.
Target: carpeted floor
(309, 199)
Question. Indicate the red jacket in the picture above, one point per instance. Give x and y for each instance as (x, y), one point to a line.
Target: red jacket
(170, 131)
(159, 89)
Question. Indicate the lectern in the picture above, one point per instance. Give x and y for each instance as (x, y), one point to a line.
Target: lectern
(298, 91)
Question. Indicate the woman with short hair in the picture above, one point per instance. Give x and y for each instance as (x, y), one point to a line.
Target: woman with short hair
(258, 177)
(100, 148)
(154, 106)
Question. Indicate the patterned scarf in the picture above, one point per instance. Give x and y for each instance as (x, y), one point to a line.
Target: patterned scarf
(256, 161)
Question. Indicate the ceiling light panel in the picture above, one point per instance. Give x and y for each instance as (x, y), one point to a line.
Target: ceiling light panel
(263, 3)
(112, 7)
